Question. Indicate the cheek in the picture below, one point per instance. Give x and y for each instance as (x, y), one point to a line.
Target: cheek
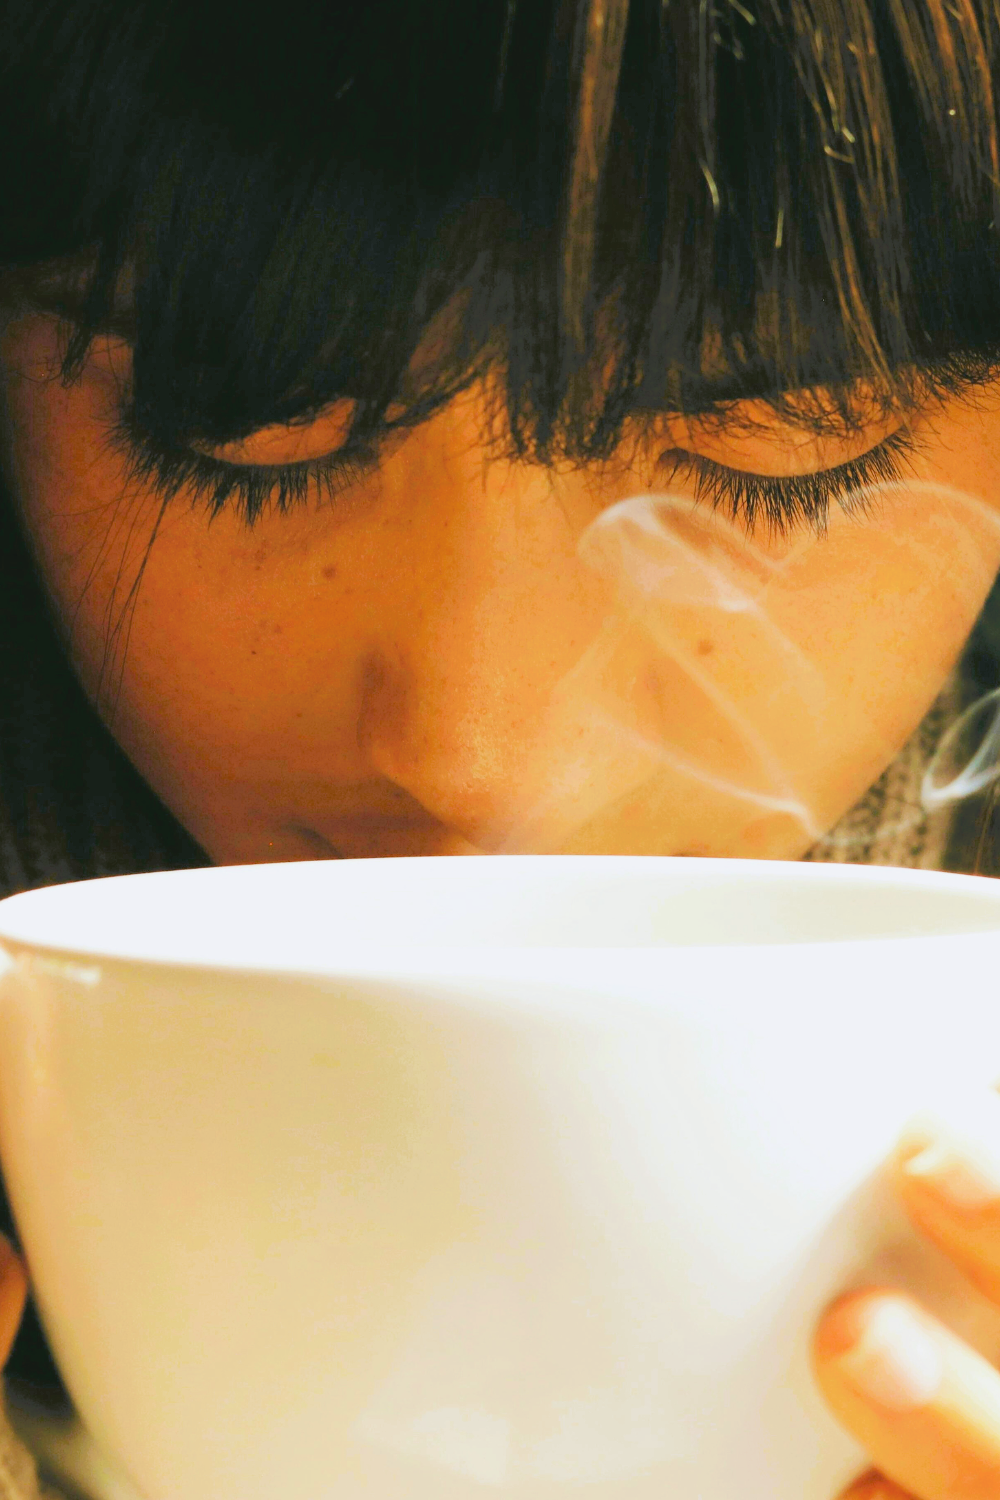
(855, 637)
(205, 668)
(750, 696)
(86, 539)
(904, 588)
(241, 664)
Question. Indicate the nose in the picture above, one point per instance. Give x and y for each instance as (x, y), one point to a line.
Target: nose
(496, 614)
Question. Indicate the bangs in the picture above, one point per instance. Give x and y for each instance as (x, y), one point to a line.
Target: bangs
(616, 208)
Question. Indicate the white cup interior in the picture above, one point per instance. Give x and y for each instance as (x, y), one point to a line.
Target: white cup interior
(301, 916)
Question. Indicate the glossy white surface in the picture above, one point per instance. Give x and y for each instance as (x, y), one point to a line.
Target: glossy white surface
(305, 916)
(456, 1201)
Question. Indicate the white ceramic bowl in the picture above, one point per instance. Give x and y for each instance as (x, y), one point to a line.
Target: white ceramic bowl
(434, 1179)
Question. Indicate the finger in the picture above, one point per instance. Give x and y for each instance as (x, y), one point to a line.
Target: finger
(923, 1404)
(13, 1291)
(947, 1174)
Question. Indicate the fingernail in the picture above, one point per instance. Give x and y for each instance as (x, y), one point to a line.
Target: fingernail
(954, 1177)
(892, 1360)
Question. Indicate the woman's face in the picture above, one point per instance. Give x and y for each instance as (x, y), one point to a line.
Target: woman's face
(460, 655)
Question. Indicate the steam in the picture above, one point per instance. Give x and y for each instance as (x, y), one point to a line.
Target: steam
(709, 682)
(979, 725)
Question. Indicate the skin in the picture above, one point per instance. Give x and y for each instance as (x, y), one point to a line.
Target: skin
(431, 665)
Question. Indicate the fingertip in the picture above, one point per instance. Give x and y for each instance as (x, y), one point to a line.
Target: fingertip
(843, 1320)
(909, 1144)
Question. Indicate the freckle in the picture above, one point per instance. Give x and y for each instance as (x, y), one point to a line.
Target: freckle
(277, 629)
(329, 571)
(705, 648)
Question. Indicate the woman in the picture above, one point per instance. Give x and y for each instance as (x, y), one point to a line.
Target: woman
(545, 424)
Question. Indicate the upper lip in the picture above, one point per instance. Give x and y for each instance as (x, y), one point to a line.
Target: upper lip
(346, 836)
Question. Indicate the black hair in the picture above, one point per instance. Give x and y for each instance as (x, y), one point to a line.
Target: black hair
(662, 204)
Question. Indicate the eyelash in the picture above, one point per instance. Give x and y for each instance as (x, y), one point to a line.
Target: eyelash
(248, 489)
(788, 501)
(782, 502)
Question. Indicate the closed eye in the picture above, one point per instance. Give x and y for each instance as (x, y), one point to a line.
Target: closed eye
(248, 489)
(780, 502)
(784, 502)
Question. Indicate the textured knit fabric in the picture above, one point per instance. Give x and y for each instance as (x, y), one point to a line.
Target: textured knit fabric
(18, 1472)
(890, 826)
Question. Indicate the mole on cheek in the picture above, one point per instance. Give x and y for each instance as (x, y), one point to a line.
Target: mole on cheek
(705, 648)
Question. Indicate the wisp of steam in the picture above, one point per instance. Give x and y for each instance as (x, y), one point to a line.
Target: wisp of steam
(717, 670)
